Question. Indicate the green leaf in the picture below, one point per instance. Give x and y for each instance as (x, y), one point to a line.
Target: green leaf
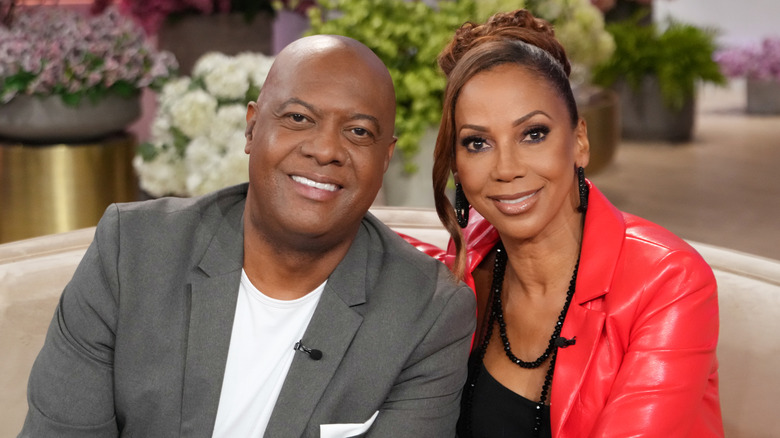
(147, 151)
(180, 141)
(679, 56)
(18, 82)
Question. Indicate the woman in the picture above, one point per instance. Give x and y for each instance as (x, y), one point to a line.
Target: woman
(593, 322)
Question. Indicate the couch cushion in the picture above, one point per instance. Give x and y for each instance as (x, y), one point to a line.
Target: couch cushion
(33, 273)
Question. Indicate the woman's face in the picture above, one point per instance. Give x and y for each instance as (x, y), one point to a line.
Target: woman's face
(516, 153)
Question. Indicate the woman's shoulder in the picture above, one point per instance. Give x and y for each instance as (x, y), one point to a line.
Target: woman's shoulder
(640, 237)
(645, 232)
(640, 249)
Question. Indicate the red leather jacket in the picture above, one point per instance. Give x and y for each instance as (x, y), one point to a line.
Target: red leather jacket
(645, 314)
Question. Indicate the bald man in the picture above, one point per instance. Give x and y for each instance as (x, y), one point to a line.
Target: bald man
(277, 308)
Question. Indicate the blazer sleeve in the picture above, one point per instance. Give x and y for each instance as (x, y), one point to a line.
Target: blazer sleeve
(425, 399)
(70, 390)
(666, 385)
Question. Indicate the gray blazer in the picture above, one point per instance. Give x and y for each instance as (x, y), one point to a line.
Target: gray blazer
(139, 341)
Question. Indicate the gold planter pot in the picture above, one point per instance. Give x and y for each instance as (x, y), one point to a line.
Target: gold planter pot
(48, 189)
(602, 114)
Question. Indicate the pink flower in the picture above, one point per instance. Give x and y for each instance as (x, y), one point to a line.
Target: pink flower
(53, 50)
(152, 13)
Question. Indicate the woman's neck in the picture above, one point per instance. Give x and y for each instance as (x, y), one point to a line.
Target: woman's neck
(539, 266)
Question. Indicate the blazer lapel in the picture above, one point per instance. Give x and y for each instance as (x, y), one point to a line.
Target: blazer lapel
(213, 297)
(331, 330)
(601, 245)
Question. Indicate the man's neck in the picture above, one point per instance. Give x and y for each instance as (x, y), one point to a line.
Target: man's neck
(287, 270)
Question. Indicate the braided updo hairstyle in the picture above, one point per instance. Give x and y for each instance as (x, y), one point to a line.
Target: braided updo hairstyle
(515, 37)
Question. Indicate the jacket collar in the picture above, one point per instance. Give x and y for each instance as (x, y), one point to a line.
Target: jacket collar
(213, 298)
(602, 243)
(331, 330)
(212, 294)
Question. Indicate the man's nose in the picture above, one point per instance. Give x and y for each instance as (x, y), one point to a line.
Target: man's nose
(326, 146)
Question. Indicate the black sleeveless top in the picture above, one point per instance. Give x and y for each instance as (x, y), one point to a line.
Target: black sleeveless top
(498, 412)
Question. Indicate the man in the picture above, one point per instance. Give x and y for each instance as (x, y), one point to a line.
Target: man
(278, 308)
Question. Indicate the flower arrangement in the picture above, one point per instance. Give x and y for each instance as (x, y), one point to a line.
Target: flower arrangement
(579, 26)
(197, 137)
(152, 13)
(755, 61)
(55, 51)
(408, 35)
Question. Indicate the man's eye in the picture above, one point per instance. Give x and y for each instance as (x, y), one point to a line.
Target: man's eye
(360, 132)
(298, 117)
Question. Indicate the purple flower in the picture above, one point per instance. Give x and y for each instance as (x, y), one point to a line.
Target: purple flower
(756, 61)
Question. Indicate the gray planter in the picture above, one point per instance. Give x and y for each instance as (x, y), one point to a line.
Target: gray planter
(412, 190)
(644, 116)
(763, 96)
(48, 119)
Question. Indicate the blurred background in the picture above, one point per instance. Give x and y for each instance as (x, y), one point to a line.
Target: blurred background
(161, 113)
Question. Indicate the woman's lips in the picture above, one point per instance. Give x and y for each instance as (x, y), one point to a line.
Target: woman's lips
(516, 203)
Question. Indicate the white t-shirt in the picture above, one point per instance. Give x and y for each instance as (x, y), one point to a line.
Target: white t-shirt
(265, 331)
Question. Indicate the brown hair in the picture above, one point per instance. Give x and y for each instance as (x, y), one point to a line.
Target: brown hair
(510, 37)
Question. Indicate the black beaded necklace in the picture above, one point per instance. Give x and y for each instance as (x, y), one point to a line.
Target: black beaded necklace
(497, 315)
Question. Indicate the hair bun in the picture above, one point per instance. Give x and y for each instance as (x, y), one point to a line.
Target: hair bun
(516, 25)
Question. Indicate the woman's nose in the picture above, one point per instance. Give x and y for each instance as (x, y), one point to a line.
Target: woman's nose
(509, 163)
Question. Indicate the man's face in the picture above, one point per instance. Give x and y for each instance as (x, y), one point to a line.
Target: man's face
(320, 138)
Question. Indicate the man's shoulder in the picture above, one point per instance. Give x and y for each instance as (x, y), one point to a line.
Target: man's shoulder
(211, 203)
(389, 242)
(169, 220)
(404, 265)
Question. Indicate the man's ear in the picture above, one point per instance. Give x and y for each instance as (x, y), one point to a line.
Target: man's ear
(251, 120)
(389, 155)
(582, 148)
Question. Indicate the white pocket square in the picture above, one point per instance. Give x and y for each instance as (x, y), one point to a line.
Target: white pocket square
(346, 429)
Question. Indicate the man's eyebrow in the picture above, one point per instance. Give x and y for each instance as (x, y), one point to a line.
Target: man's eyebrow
(310, 107)
(295, 100)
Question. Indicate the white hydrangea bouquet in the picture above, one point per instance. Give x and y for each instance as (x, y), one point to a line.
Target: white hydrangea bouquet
(197, 137)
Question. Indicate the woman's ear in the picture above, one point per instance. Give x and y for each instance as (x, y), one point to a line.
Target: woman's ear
(582, 147)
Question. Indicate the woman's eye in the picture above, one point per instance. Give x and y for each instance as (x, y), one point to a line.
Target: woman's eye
(536, 134)
(474, 144)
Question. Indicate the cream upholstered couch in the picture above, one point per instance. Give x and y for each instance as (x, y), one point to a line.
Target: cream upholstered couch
(33, 273)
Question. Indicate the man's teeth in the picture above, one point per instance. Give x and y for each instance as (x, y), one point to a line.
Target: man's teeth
(315, 184)
(518, 200)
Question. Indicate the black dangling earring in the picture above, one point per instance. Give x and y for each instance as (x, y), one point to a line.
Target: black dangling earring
(584, 190)
(461, 206)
